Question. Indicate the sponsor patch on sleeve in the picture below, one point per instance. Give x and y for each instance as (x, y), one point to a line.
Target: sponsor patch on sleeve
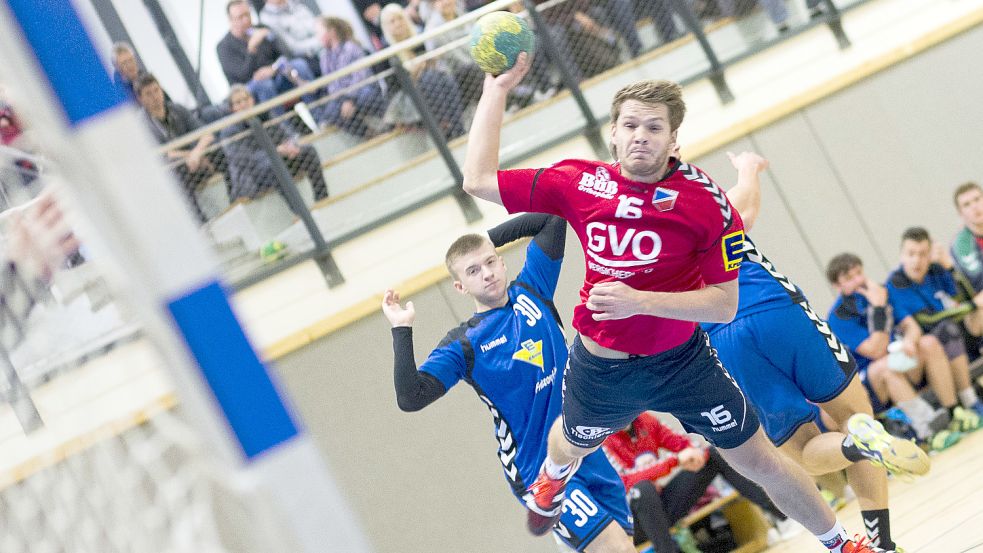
(733, 250)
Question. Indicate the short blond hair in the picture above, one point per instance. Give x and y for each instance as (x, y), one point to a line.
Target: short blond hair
(652, 92)
(463, 246)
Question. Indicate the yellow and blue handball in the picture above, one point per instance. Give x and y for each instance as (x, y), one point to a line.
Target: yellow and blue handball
(497, 39)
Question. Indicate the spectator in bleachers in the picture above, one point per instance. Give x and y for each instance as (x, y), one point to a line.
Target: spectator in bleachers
(967, 249)
(371, 12)
(862, 318)
(587, 47)
(926, 300)
(259, 58)
(438, 89)
(635, 452)
(251, 168)
(126, 69)
(347, 106)
(623, 17)
(457, 60)
(296, 25)
(167, 120)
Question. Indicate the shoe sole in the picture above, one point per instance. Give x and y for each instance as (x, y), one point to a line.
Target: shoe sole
(902, 457)
(538, 521)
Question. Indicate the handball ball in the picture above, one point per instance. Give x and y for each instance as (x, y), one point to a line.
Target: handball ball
(497, 39)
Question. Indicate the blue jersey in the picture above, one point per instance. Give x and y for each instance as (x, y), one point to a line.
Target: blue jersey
(761, 286)
(930, 296)
(511, 356)
(848, 320)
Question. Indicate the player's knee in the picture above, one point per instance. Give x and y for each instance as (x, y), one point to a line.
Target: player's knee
(929, 345)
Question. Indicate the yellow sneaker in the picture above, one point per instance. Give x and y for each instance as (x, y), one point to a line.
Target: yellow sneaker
(898, 456)
(964, 420)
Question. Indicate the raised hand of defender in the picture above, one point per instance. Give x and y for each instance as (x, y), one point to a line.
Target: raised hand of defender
(613, 300)
(692, 459)
(513, 76)
(40, 238)
(397, 314)
(748, 160)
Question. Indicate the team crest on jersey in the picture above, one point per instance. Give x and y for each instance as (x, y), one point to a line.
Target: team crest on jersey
(664, 199)
(733, 250)
(531, 352)
(599, 184)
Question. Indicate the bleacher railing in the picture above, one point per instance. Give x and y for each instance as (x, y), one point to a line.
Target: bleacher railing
(258, 191)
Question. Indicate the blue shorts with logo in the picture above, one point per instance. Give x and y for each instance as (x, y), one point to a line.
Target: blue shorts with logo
(785, 361)
(595, 497)
(601, 396)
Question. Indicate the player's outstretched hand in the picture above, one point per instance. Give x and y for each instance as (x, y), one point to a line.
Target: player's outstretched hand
(512, 77)
(39, 237)
(613, 300)
(692, 459)
(748, 160)
(397, 314)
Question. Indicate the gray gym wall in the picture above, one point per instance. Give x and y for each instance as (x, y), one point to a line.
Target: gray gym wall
(848, 173)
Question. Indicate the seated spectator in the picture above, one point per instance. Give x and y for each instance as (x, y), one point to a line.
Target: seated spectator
(251, 167)
(347, 107)
(126, 69)
(167, 121)
(924, 296)
(296, 25)
(439, 90)
(258, 58)
(623, 16)
(371, 12)
(457, 60)
(862, 318)
(967, 248)
(635, 454)
(775, 9)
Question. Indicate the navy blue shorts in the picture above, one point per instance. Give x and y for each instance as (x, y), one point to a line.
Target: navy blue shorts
(785, 359)
(601, 396)
(595, 497)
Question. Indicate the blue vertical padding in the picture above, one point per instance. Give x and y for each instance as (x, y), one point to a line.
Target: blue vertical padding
(66, 54)
(238, 380)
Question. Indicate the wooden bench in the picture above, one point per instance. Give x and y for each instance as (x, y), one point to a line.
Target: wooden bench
(749, 526)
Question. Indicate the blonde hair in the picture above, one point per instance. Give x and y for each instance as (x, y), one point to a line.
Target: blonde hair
(652, 92)
(390, 9)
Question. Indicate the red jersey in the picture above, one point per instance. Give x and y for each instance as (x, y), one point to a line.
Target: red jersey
(648, 436)
(674, 235)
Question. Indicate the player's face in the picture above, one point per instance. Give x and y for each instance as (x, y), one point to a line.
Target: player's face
(971, 208)
(481, 274)
(851, 281)
(643, 140)
(915, 258)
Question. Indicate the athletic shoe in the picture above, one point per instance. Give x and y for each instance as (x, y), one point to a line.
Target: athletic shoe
(863, 547)
(686, 541)
(901, 457)
(544, 499)
(272, 251)
(834, 501)
(943, 439)
(978, 409)
(964, 420)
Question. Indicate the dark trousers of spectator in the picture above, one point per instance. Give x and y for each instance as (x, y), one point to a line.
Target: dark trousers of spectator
(266, 89)
(260, 178)
(622, 15)
(443, 96)
(655, 512)
(212, 162)
(369, 101)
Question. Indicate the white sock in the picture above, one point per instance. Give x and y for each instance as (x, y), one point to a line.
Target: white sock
(835, 538)
(968, 397)
(554, 470)
(920, 413)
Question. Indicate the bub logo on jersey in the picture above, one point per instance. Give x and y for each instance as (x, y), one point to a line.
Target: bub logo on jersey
(733, 250)
(664, 199)
(531, 352)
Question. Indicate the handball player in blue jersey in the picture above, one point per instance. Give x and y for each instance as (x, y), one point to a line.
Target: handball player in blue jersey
(662, 247)
(787, 360)
(512, 352)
